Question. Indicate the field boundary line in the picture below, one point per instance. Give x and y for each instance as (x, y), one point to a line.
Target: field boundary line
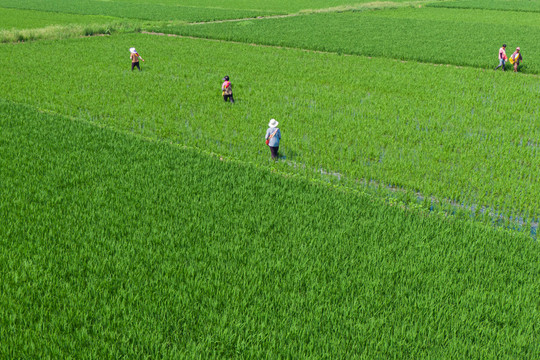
(375, 5)
(362, 187)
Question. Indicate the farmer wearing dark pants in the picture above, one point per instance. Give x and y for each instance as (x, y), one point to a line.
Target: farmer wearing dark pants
(134, 55)
(273, 135)
(502, 57)
(226, 89)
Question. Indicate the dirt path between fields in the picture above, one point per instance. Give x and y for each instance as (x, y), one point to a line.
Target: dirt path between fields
(376, 5)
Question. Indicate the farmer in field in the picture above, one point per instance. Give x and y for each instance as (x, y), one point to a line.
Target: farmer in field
(273, 135)
(134, 55)
(502, 57)
(226, 90)
(516, 58)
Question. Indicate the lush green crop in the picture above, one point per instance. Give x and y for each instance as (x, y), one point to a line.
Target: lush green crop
(28, 25)
(28, 19)
(139, 7)
(512, 5)
(465, 17)
(444, 36)
(146, 11)
(453, 133)
(290, 6)
(114, 246)
(150, 223)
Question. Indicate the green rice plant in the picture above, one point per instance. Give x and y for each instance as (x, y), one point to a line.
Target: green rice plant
(11, 19)
(444, 132)
(433, 35)
(144, 11)
(115, 245)
(56, 32)
(508, 5)
(139, 7)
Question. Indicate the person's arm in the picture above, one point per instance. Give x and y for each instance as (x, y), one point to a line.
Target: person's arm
(140, 56)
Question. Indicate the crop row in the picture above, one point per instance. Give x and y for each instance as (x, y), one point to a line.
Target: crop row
(289, 6)
(433, 35)
(452, 133)
(140, 9)
(113, 246)
(29, 25)
(514, 5)
(29, 19)
(145, 11)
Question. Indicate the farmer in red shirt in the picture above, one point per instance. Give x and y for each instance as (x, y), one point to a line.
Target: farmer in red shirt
(226, 90)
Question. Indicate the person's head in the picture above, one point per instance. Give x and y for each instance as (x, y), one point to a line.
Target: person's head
(504, 46)
(132, 50)
(517, 49)
(273, 123)
(226, 78)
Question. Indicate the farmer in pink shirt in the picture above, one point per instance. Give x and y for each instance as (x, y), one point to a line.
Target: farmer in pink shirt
(226, 89)
(502, 57)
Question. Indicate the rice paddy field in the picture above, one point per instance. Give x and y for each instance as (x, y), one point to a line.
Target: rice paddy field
(29, 19)
(141, 215)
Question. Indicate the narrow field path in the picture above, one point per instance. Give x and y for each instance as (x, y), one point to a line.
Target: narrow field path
(375, 5)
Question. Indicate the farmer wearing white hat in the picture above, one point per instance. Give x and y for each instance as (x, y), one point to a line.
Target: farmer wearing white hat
(273, 135)
(516, 58)
(134, 55)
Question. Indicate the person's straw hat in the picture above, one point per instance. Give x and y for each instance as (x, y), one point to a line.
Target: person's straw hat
(132, 50)
(273, 123)
(518, 48)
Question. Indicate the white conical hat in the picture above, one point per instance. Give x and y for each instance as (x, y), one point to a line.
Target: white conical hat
(273, 123)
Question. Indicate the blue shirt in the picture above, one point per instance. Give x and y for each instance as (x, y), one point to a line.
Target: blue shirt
(274, 141)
